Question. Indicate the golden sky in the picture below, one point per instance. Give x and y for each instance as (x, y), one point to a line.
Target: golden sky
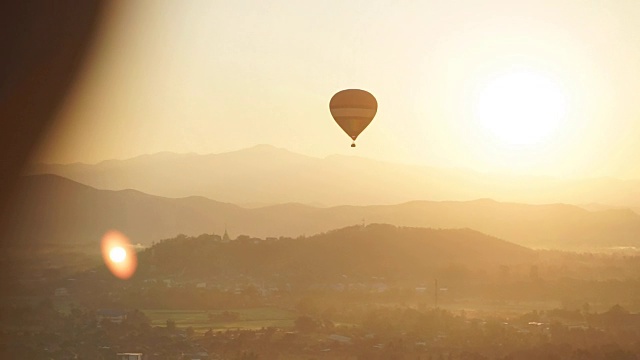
(540, 87)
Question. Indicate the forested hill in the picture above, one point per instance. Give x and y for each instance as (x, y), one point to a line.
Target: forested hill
(376, 250)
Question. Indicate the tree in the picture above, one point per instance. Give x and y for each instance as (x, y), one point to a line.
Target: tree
(305, 324)
(171, 325)
(307, 306)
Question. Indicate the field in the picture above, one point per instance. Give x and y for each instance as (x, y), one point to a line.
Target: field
(200, 320)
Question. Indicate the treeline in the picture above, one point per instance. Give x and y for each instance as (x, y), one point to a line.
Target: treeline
(376, 263)
(355, 265)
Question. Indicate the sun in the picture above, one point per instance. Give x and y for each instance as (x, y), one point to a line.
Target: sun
(521, 107)
(117, 254)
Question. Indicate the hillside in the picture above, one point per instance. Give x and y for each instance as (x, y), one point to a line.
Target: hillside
(376, 250)
(268, 175)
(52, 209)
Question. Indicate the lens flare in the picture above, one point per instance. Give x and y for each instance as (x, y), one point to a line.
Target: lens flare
(118, 254)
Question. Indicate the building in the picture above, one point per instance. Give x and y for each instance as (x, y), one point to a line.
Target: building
(61, 292)
(129, 356)
(115, 316)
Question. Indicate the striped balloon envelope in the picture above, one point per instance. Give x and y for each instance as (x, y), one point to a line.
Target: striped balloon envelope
(353, 110)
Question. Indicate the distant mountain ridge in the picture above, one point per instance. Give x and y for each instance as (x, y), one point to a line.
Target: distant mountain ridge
(53, 209)
(268, 175)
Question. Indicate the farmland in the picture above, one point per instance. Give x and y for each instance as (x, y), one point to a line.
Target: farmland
(200, 320)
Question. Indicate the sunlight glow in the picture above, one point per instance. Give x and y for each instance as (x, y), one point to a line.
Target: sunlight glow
(521, 107)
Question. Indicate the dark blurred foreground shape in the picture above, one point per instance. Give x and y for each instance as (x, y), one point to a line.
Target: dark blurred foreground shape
(43, 46)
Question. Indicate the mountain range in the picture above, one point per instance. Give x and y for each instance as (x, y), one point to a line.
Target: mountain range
(55, 210)
(266, 175)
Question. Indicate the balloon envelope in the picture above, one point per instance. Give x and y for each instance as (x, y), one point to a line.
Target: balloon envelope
(353, 110)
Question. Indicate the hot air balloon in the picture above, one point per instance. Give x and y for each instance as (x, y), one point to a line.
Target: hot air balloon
(353, 110)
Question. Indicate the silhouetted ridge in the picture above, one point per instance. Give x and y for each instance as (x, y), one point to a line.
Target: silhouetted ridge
(377, 250)
(53, 209)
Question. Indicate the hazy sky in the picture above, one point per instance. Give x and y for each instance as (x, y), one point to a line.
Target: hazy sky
(214, 76)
